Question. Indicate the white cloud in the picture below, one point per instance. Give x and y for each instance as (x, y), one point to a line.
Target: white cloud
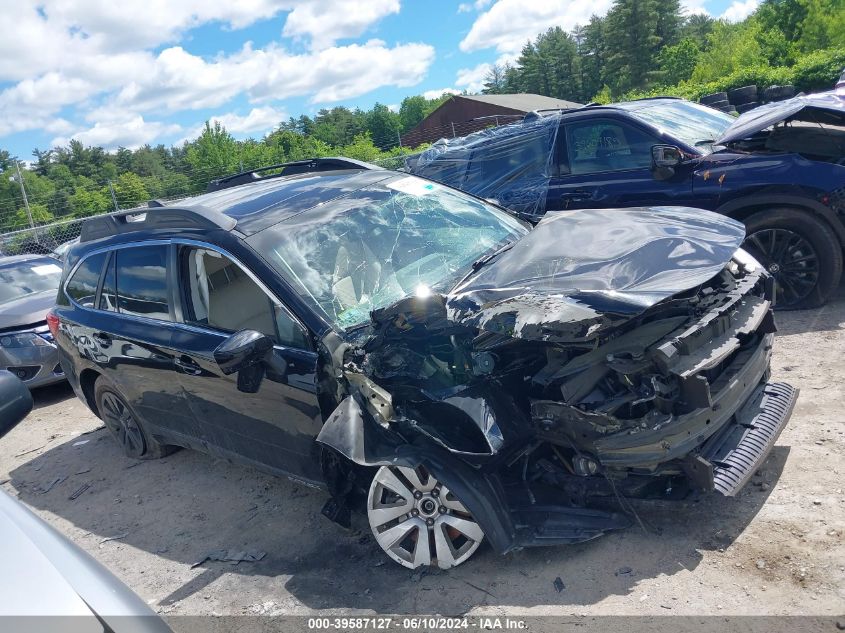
(258, 120)
(473, 78)
(740, 10)
(326, 21)
(464, 7)
(131, 132)
(179, 80)
(692, 7)
(434, 94)
(508, 24)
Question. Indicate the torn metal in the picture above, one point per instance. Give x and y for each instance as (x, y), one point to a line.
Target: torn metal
(555, 379)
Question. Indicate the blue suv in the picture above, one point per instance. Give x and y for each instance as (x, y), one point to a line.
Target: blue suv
(779, 169)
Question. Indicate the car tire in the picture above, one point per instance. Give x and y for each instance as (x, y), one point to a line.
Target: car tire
(719, 105)
(713, 98)
(800, 250)
(745, 107)
(418, 522)
(746, 94)
(778, 93)
(125, 425)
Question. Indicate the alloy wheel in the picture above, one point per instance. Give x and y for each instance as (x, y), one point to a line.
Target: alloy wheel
(417, 521)
(790, 259)
(122, 424)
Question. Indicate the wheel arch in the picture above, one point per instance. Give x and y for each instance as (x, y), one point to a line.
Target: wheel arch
(87, 380)
(743, 208)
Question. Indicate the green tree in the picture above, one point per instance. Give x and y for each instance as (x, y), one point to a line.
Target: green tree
(677, 62)
(382, 124)
(87, 200)
(129, 190)
(591, 51)
(632, 40)
(697, 27)
(494, 80)
(213, 154)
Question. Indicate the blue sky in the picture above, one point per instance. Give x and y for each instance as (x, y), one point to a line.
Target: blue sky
(134, 72)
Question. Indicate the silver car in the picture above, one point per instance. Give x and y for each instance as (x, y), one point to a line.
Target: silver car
(28, 285)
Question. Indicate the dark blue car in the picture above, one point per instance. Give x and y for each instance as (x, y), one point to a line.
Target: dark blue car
(780, 169)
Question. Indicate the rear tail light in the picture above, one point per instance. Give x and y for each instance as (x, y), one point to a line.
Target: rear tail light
(53, 324)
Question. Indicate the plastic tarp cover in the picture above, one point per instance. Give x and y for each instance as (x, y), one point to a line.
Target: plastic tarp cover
(511, 164)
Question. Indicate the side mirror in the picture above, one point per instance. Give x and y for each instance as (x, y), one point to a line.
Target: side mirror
(242, 350)
(15, 401)
(664, 159)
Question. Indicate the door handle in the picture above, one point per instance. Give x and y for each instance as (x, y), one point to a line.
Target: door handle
(578, 194)
(187, 366)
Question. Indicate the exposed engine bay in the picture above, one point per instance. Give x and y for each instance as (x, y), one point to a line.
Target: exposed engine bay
(656, 406)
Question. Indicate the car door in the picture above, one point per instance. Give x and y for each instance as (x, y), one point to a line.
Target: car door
(606, 162)
(274, 427)
(123, 328)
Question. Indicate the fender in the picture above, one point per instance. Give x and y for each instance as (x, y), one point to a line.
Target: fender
(353, 432)
(775, 199)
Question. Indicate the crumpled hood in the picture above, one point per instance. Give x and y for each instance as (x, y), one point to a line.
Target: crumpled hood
(823, 106)
(581, 273)
(27, 310)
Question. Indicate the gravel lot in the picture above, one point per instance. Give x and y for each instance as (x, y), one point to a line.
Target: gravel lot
(775, 549)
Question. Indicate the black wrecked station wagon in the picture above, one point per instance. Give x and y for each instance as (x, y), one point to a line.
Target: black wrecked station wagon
(420, 352)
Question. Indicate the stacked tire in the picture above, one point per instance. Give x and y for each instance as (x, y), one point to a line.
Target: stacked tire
(717, 100)
(778, 93)
(745, 98)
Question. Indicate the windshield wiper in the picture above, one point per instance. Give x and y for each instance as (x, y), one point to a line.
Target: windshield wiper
(485, 259)
(478, 263)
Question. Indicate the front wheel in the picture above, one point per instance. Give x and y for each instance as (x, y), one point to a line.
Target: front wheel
(800, 251)
(417, 521)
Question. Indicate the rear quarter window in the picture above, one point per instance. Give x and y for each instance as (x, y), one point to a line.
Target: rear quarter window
(82, 286)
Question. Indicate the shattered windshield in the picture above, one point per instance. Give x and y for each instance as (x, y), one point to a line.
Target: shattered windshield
(28, 277)
(383, 243)
(694, 124)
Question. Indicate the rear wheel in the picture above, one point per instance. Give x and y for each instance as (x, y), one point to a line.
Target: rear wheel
(417, 521)
(800, 251)
(124, 425)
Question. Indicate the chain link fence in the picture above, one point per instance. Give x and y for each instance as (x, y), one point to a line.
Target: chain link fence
(26, 230)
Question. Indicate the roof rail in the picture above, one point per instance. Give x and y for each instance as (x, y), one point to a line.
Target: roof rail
(536, 114)
(154, 217)
(288, 169)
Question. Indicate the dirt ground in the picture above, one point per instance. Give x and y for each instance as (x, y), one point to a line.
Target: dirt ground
(776, 549)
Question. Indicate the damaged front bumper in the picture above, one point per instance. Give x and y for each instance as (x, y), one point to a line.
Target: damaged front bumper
(552, 471)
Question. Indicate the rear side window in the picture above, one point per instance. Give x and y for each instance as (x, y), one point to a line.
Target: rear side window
(141, 275)
(82, 287)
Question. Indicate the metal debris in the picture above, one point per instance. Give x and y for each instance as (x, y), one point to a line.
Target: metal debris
(52, 484)
(76, 493)
(234, 556)
(116, 537)
(558, 583)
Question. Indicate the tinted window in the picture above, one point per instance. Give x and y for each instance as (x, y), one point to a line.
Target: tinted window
(222, 296)
(108, 295)
(597, 146)
(142, 282)
(82, 287)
